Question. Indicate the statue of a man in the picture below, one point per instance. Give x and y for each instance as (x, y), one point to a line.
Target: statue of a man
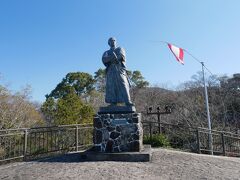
(117, 83)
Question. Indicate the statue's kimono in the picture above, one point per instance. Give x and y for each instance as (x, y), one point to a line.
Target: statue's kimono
(117, 84)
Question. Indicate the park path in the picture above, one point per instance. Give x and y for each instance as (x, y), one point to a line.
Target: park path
(166, 164)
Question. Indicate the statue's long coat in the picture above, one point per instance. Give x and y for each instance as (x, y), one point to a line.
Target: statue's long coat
(117, 84)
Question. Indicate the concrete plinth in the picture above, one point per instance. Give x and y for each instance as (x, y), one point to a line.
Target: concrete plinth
(144, 155)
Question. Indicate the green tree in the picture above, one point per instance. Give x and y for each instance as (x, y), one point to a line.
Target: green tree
(79, 82)
(71, 110)
(49, 110)
(64, 105)
(100, 80)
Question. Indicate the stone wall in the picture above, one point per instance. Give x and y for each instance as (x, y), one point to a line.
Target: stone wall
(118, 132)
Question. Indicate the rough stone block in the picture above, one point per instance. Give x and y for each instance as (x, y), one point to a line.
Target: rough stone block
(118, 132)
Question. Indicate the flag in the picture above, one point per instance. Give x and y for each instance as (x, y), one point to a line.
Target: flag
(177, 52)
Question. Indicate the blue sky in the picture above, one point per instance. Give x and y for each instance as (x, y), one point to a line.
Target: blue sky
(42, 40)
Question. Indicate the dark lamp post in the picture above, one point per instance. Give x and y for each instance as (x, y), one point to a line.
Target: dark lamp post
(158, 112)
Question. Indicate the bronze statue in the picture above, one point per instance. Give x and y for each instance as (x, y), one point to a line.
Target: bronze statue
(117, 83)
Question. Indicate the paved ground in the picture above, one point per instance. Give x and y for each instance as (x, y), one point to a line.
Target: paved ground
(166, 164)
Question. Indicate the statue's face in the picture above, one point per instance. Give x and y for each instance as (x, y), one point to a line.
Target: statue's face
(112, 42)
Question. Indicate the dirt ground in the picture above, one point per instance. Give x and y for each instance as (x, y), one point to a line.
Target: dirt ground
(166, 164)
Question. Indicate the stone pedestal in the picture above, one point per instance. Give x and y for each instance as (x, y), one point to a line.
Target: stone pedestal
(117, 110)
(145, 155)
(118, 133)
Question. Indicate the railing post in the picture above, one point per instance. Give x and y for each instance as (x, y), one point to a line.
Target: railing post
(76, 138)
(25, 142)
(159, 123)
(223, 144)
(198, 142)
(150, 130)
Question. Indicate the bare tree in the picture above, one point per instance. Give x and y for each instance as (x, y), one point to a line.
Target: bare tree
(16, 110)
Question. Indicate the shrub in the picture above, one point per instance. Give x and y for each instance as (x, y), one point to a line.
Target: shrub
(157, 140)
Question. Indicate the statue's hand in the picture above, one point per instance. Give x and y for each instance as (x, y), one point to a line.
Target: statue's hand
(110, 57)
(106, 59)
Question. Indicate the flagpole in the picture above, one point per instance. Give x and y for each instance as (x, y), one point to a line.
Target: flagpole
(208, 113)
(210, 140)
(206, 99)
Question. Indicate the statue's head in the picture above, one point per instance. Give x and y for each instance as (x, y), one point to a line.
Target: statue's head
(112, 42)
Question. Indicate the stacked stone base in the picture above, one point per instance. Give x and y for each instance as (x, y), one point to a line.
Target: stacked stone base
(118, 133)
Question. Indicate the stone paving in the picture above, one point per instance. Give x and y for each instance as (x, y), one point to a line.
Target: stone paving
(166, 164)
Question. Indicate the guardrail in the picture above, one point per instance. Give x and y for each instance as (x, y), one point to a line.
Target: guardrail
(224, 143)
(179, 136)
(196, 139)
(33, 142)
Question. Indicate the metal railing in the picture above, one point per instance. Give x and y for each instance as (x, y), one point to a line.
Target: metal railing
(224, 143)
(195, 139)
(33, 142)
(179, 136)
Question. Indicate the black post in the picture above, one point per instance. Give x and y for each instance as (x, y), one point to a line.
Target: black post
(76, 139)
(25, 143)
(198, 142)
(150, 130)
(159, 123)
(168, 110)
(223, 144)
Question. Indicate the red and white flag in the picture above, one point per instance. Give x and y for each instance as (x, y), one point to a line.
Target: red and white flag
(178, 52)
